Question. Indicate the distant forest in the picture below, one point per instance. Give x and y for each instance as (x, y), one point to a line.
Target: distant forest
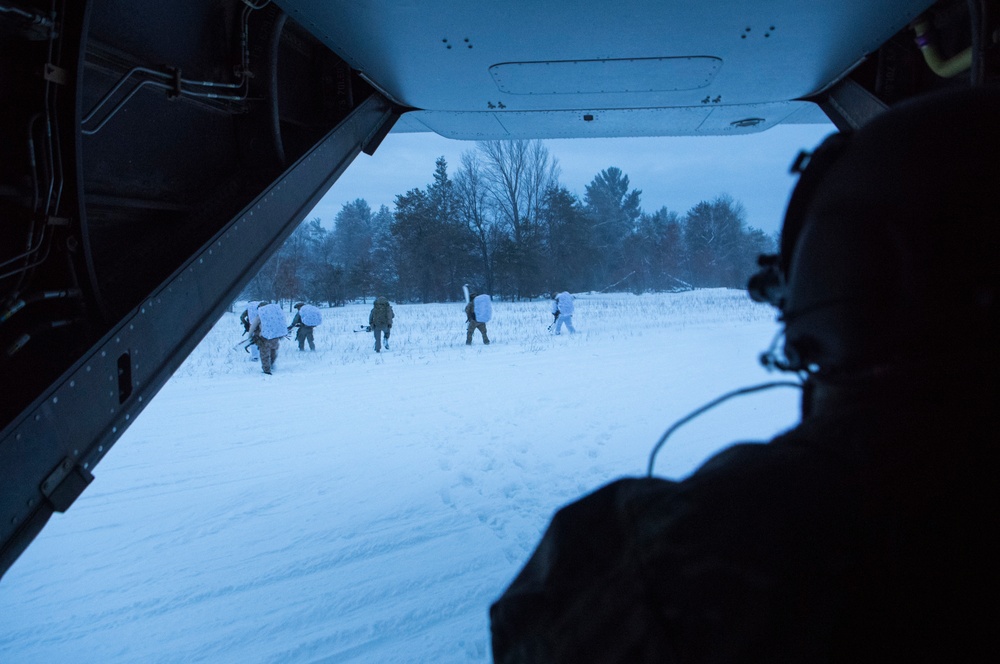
(505, 225)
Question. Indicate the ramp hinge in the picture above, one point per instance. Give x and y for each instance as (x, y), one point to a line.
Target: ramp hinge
(65, 484)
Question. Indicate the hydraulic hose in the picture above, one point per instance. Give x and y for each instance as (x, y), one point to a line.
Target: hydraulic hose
(953, 66)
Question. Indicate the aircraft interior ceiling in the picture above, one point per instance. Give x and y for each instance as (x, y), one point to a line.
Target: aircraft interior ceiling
(155, 154)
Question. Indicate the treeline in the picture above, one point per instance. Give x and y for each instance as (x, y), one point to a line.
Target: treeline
(504, 224)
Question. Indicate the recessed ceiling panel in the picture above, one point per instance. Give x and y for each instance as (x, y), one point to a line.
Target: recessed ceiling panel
(596, 76)
(454, 57)
(564, 124)
(612, 122)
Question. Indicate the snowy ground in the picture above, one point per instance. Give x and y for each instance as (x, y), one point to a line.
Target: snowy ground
(356, 507)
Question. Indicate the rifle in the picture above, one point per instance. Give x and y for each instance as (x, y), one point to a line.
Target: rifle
(245, 343)
(555, 317)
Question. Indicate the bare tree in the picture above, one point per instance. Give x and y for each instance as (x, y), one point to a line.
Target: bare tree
(515, 176)
(474, 209)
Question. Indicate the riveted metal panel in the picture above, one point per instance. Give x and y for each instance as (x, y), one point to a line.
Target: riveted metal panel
(75, 422)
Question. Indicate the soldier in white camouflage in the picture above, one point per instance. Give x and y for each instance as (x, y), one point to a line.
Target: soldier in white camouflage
(306, 318)
(478, 312)
(266, 332)
(247, 318)
(562, 310)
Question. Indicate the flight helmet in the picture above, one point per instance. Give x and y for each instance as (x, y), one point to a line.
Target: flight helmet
(889, 249)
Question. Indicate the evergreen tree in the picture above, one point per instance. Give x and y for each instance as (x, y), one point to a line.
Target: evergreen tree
(351, 246)
(507, 226)
(654, 252)
(570, 249)
(412, 227)
(384, 250)
(435, 247)
(455, 241)
(713, 238)
(613, 211)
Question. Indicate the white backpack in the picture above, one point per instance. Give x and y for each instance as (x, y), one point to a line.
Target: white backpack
(310, 315)
(272, 321)
(483, 308)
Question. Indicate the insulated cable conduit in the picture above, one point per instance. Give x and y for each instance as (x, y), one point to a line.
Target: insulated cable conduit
(174, 83)
(49, 153)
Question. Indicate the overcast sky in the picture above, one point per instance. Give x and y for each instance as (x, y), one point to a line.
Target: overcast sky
(676, 172)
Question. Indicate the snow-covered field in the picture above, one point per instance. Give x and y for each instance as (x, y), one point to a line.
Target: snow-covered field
(356, 507)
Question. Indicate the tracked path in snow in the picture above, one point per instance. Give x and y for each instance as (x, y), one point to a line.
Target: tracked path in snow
(356, 507)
